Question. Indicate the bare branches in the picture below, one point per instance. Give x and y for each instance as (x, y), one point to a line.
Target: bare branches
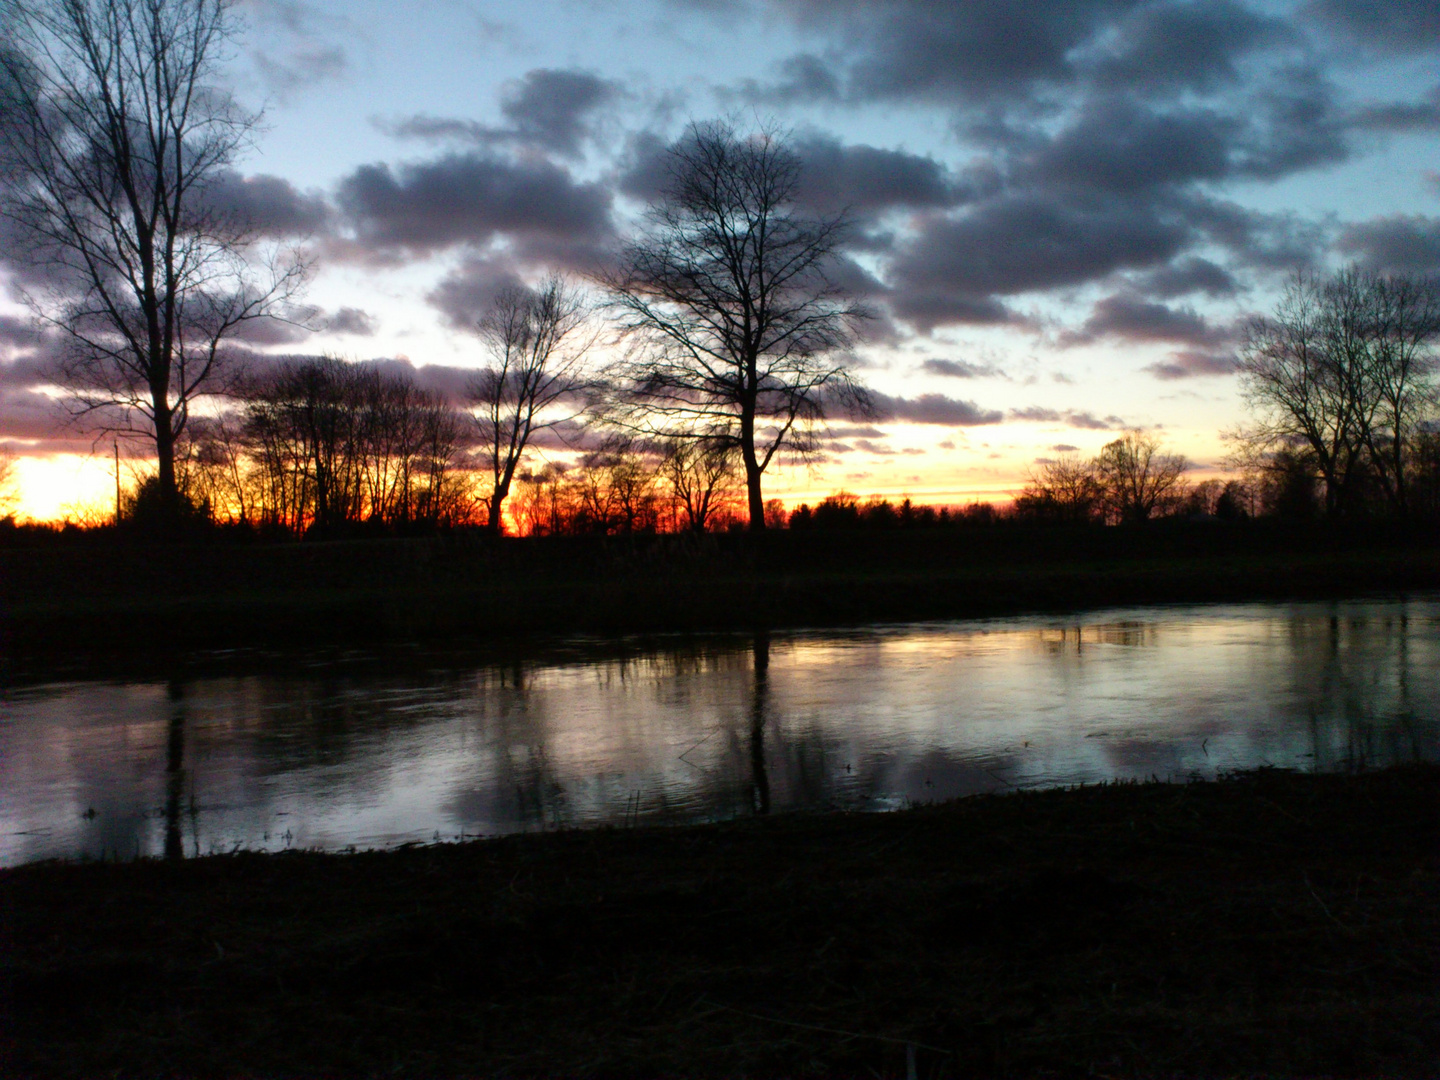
(736, 333)
(115, 129)
(535, 380)
(1344, 372)
(9, 490)
(1136, 478)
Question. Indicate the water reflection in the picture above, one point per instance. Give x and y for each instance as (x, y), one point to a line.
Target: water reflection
(372, 753)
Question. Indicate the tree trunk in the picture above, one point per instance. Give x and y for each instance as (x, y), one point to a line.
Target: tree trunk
(495, 520)
(752, 468)
(165, 458)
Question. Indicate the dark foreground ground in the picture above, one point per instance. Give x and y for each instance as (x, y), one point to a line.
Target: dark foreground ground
(1268, 925)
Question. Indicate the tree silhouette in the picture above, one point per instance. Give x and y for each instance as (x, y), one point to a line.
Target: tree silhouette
(737, 335)
(115, 135)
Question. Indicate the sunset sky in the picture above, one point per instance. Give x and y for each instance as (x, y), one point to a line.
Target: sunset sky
(1064, 209)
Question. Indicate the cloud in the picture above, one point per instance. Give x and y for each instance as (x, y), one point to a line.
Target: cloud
(1086, 421)
(957, 268)
(1401, 243)
(1118, 145)
(947, 53)
(867, 180)
(548, 109)
(1189, 363)
(298, 46)
(1064, 448)
(422, 207)
(30, 415)
(935, 409)
(465, 293)
(960, 369)
(1400, 26)
(1399, 116)
(1183, 277)
(1135, 319)
(802, 78)
(269, 205)
(1186, 46)
(349, 320)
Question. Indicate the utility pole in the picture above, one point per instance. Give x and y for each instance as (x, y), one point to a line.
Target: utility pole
(117, 482)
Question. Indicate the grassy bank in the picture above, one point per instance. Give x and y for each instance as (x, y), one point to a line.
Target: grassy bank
(62, 599)
(1272, 924)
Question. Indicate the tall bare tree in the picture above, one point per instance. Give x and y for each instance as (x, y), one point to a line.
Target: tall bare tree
(115, 131)
(737, 335)
(537, 352)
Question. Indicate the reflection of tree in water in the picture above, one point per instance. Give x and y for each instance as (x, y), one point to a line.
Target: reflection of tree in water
(1353, 674)
(520, 788)
(759, 697)
(175, 771)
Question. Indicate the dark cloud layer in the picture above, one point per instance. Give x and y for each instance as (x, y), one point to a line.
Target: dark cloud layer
(548, 109)
(421, 207)
(1085, 421)
(1105, 128)
(1408, 244)
(269, 205)
(955, 270)
(1133, 318)
(960, 369)
(935, 409)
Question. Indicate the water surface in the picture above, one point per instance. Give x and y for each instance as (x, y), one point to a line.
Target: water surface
(337, 753)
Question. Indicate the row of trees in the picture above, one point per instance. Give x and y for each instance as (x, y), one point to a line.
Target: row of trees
(1131, 480)
(326, 445)
(116, 138)
(1341, 382)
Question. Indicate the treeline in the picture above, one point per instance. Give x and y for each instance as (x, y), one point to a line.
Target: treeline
(325, 447)
(1341, 381)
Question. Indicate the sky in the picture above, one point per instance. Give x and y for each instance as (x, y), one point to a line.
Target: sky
(1063, 211)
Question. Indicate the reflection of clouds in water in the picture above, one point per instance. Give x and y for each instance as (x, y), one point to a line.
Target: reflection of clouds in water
(875, 717)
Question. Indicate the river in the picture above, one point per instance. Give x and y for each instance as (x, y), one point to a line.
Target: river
(334, 752)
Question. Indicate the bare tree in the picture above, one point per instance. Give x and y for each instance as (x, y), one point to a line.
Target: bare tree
(1344, 372)
(1066, 489)
(536, 366)
(701, 479)
(115, 131)
(1137, 479)
(9, 487)
(737, 334)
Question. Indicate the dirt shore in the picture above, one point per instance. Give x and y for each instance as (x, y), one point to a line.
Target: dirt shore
(1271, 924)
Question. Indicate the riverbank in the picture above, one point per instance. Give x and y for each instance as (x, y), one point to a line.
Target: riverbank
(1270, 924)
(99, 601)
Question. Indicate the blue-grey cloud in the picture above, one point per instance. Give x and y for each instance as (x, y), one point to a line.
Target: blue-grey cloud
(421, 207)
(960, 369)
(268, 205)
(935, 409)
(1085, 421)
(549, 109)
(1400, 243)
